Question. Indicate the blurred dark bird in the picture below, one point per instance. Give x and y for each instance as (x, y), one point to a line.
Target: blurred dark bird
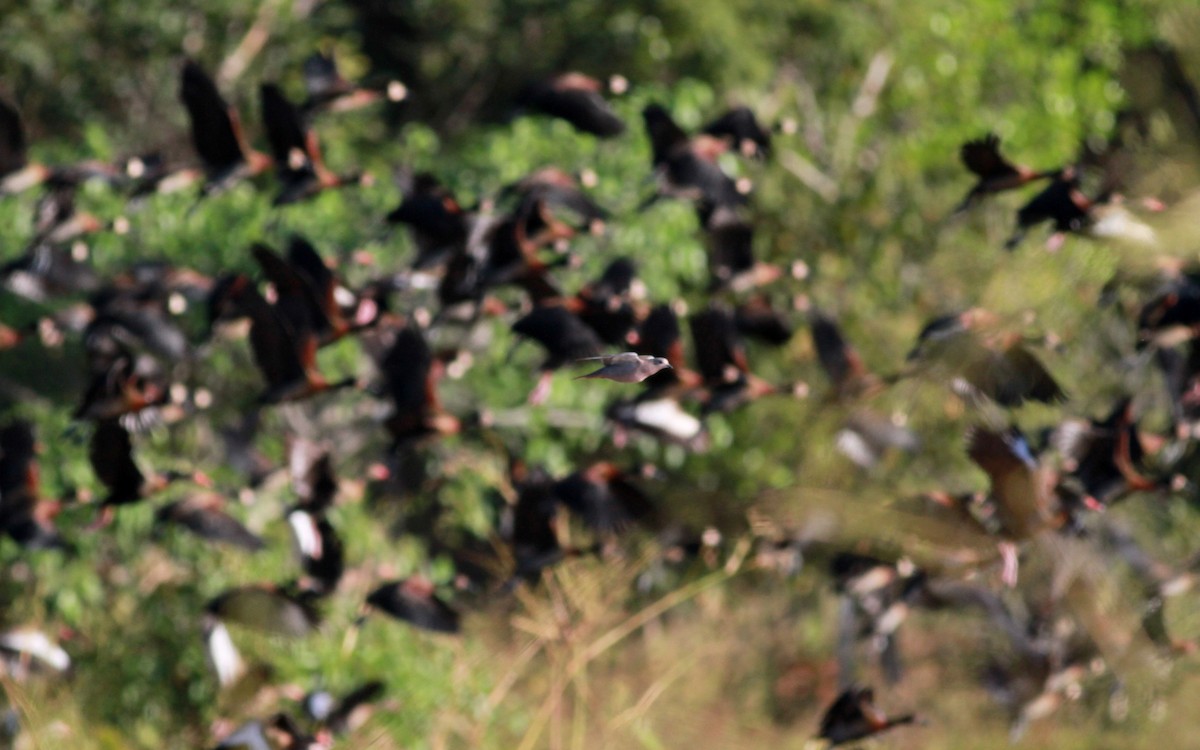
(328, 91)
(411, 373)
(875, 599)
(576, 98)
(110, 452)
(130, 320)
(604, 498)
(687, 167)
(607, 304)
(44, 272)
(204, 515)
(320, 549)
(317, 542)
(345, 714)
(217, 132)
(1172, 316)
(996, 173)
(742, 130)
(24, 516)
(283, 339)
(267, 608)
(310, 467)
(57, 222)
(757, 318)
(729, 237)
(413, 600)
(1104, 456)
(854, 716)
(535, 518)
(122, 383)
(18, 173)
(437, 221)
(983, 362)
(847, 372)
(336, 310)
(551, 204)
(281, 732)
(626, 367)
(534, 539)
(1061, 202)
(1022, 493)
(721, 359)
(297, 154)
(298, 298)
(565, 338)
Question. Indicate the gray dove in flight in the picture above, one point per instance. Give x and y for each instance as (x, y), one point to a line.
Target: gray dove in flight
(626, 367)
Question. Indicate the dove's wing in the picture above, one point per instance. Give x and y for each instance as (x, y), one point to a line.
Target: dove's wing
(614, 359)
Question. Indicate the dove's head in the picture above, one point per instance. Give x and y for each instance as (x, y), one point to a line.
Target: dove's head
(658, 363)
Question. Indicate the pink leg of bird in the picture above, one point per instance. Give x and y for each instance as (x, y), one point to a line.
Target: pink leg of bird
(103, 519)
(1056, 241)
(1009, 563)
(541, 391)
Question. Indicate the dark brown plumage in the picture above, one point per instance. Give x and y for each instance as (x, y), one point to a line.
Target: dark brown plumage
(687, 167)
(413, 600)
(996, 173)
(439, 224)
(204, 515)
(217, 132)
(24, 516)
(854, 716)
(847, 372)
(411, 373)
(1105, 456)
(576, 98)
(283, 337)
(742, 129)
(604, 498)
(328, 91)
(297, 153)
(1061, 202)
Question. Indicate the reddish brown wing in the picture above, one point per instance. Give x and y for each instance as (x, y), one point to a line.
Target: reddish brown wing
(1010, 466)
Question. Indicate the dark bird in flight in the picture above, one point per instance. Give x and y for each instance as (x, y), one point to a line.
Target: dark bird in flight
(217, 132)
(413, 600)
(328, 91)
(576, 98)
(996, 173)
(854, 716)
(297, 153)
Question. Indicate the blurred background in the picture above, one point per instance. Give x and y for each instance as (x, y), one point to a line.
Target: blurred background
(726, 650)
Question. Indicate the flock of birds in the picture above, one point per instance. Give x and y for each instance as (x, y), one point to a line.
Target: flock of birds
(1044, 492)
